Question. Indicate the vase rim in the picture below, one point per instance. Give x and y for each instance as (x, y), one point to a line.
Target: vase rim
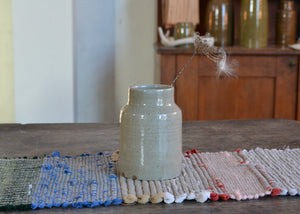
(151, 87)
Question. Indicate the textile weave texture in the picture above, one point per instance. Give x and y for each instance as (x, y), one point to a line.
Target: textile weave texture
(92, 180)
(17, 180)
(87, 180)
(238, 175)
(282, 166)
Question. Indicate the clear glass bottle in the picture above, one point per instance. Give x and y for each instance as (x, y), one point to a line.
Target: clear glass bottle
(254, 23)
(219, 21)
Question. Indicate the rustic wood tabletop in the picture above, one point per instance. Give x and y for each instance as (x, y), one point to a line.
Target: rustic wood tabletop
(17, 140)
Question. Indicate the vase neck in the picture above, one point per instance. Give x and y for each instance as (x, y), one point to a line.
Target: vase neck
(151, 95)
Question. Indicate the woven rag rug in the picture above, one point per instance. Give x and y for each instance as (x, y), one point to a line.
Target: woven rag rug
(92, 180)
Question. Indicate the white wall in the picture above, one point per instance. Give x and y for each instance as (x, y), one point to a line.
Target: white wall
(135, 55)
(114, 49)
(74, 60)
(94, 60)
(43, 61)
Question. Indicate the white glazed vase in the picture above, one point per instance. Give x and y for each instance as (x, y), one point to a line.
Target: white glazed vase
(150, 134)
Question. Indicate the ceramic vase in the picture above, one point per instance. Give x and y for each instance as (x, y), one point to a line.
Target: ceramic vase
(254, 23)
(219, 22)
(286, 24)
(150, 134)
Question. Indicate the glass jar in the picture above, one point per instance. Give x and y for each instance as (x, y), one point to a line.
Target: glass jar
(150, 134)
(254, 23)
(184, 30)
(286, 24)
(218, 21)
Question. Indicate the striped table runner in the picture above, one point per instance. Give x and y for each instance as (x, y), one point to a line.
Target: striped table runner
(91, 180)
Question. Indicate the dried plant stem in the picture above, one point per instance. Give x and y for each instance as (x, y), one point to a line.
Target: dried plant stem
(182, 69)
(203, 46)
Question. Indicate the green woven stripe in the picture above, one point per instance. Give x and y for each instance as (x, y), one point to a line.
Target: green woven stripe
(15, 177)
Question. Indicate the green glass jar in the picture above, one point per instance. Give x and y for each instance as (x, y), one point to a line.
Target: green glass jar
(184, 30)
(218, 21)
(254, 23)
(286, 25)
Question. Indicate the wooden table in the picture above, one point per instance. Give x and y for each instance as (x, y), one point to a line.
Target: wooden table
(18, 140)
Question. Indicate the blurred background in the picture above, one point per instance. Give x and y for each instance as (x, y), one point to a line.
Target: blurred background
(72, 61)
(64, 61)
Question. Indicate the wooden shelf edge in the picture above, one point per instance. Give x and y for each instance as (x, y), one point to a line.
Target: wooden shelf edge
(233, 50)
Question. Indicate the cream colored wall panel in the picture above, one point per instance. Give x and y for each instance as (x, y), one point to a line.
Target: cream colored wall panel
(135, 55)
(7, 106)
(43, 60)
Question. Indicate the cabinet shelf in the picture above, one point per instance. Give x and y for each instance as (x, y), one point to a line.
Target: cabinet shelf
(273, 8)
(233, 50)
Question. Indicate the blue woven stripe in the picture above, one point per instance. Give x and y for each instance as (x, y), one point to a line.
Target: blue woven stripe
(83, 181)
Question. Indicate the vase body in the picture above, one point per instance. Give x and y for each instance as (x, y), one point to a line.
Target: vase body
(219, 21)
(150, 134)
(286, 24)
(254, 23)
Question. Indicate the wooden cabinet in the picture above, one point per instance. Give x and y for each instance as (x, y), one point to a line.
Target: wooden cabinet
(298, 99)
(268, 84)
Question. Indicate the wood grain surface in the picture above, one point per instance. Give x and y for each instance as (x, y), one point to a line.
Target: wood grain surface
(298, 86)
(286, 88)
(265, 87)
(18, 140)
(187, 97)
(169, 63)
(271, 50)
